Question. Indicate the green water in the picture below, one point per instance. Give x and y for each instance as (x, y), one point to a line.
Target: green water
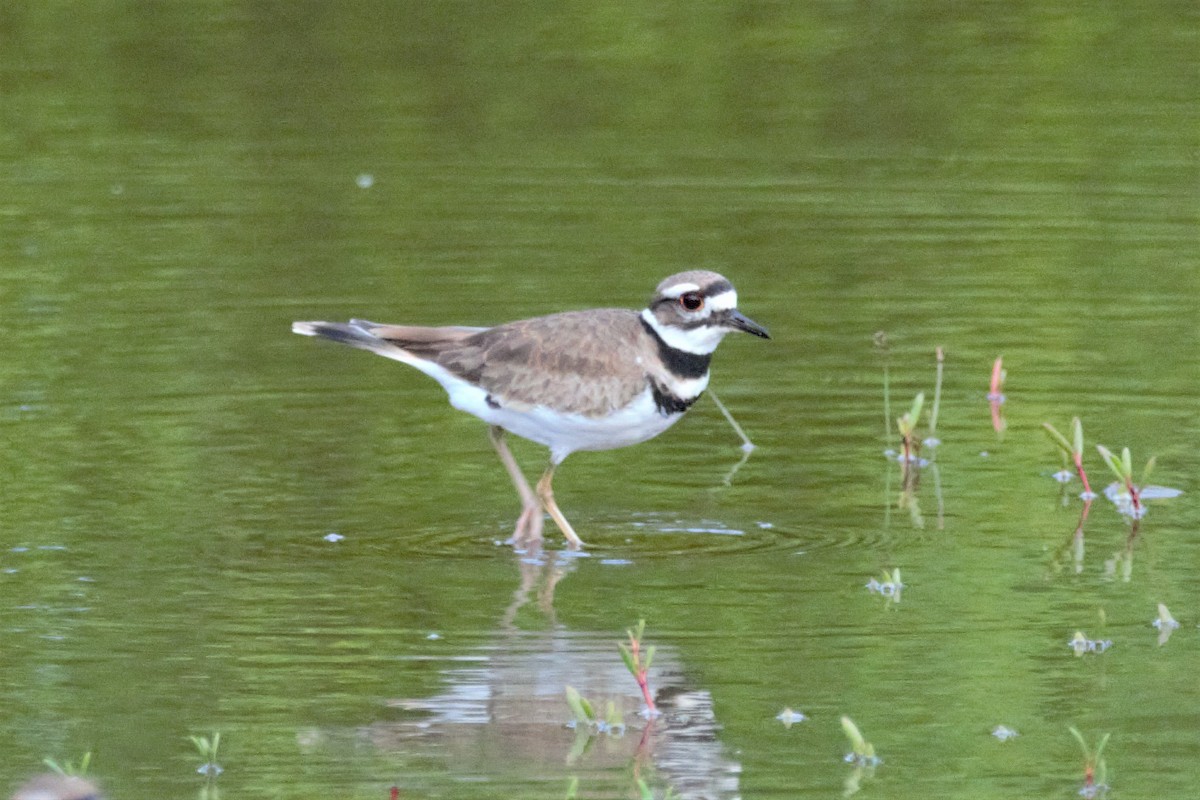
(183, 180)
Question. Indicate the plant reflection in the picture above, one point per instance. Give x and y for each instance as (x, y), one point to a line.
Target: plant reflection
(501, 709)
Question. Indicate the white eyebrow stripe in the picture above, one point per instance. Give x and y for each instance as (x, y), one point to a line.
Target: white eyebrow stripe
(725, 301)
(680, 289)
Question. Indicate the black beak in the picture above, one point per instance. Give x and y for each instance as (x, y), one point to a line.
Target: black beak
(741, 322)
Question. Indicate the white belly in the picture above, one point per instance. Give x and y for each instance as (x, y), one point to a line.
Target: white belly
(563, 433)
(566, 433)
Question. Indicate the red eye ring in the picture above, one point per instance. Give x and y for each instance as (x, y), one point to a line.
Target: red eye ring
(691, 301)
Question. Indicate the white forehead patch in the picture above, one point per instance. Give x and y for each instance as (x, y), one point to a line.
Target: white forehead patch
(724, 301)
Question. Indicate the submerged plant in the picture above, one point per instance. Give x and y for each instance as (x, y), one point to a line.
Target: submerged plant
(1095, 771)
(1127, 495)
(637, 661)
(1072, 450)
(70, 768)
(207, 747)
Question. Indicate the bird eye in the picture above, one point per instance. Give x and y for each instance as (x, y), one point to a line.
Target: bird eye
(691, 301)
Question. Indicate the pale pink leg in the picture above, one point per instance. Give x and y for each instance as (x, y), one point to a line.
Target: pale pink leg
(529, 524)
(546, 494)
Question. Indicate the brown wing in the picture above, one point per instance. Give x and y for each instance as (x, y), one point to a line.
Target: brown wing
(584, 361)
(420, 341)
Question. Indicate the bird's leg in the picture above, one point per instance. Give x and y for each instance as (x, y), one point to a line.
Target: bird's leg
(546, 493)
(529, 524)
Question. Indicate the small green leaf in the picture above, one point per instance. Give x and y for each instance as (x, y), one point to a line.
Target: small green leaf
(572, 788)
(627, 657)
(1126, 464)
(915, 412)
(1087, 753)
(580, 707)
(649, 657)
(644, 790)
(1111, 460)
(1057, 438)
(857, 743)
(1148, 469)
(1100, 746)
(1077, 429)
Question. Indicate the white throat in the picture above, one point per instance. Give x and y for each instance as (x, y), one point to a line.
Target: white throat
(699, 341)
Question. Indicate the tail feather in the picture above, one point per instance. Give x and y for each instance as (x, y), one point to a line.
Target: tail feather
(352, 334)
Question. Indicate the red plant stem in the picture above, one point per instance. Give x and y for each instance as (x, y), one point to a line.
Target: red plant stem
(997, 372)
(1133, 495)
(635, 648)
(1082, 474)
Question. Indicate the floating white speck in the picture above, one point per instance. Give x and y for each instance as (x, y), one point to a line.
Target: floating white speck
(789, 717)
(433, 637)
(365, 181)
(1063, 476)
(1004, 733)
(616, 562)
(333, 537)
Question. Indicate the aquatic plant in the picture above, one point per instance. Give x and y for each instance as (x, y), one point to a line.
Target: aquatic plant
(207, 747)
(747, 445)
(907, 425)
(996, 387)
(931, 440)
(995, 395)
(1095, 771)
(884, 346)
(1165, 623)
(587, 719)
(889, 587)
(862, 752)
(1128, 496)
(637, 661)
(70, 768)
(1072, 450)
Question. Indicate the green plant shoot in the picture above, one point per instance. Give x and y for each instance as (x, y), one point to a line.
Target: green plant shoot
(70, 767)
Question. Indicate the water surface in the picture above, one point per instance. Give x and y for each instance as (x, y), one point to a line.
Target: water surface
(183, 181)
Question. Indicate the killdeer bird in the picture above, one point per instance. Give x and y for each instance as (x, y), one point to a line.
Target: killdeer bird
(580, 380)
